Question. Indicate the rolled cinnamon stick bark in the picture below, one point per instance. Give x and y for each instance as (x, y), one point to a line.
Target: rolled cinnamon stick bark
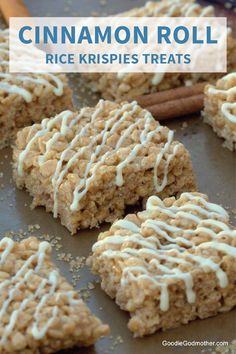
(177, 108)
(164, 96)
(13, 8)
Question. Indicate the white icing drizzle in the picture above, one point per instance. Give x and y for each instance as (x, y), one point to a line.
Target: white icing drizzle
(97, 147)
(190, 9)
(126, 224)
(85, 182)
(164, 299)
(220, 246)
(160, 186)
(63, 131)
(210, 209)
(4, 62)
(47, 125)
(16, 89)
(146, 138)
(157, 78)
(105, 134)
(229, 77)
(121, 74)
(41, 295)
(170, 245)
(168, 9)
(5, 253)
(226, 92)
(228, 95)
(40, 333)
(7, 78)
(206, 262)
(225, 110)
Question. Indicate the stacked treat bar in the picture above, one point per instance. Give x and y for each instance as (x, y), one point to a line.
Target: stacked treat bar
(220, 109)
(88, 166)
(40, 312)
(170, 264)
(27, 98)
(122, 85)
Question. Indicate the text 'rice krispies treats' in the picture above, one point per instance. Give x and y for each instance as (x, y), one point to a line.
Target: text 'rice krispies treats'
(40, 310)
(169, 264)
(88, 166)
(220, 109)
(131, 85)
(27, 98)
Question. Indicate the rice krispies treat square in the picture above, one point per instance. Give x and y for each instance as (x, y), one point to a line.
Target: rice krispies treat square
(170, 264)
(122, 86)
(220, 109)
(27, 98)
(40, 312)
(88, 166)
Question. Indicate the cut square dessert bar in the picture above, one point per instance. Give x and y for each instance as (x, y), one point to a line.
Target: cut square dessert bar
(169, 264)
(39, 310)
(220, 109)
(122, 86)
(27, 98)
(87, 166)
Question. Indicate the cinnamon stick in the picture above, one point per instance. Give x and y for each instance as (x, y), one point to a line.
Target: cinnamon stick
(13, 8)
(173, 94)
(177, 108)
